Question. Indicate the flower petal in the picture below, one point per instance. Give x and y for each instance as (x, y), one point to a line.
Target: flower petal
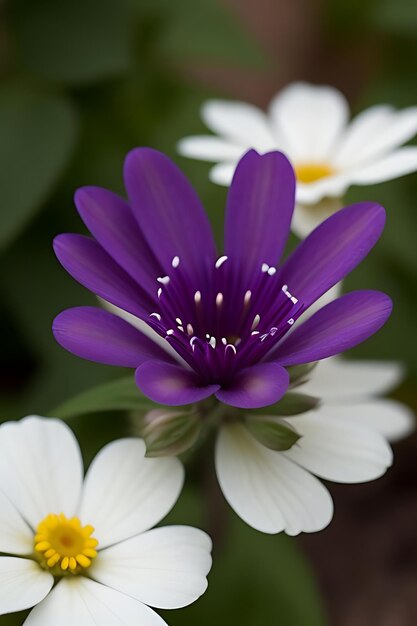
(333, 250)
(337, 379)
(269, 492)
(23, 583)
(256, 386)
(259, 210)
(41, 469)
(394, 165)
(171, 384)
(337, 327)
(209, 148)
(168, 210)
(110, 220)
(15, 535)
(79, 600)
(222, 173)
(126, 493)
(392, 419)
(87, 262)
(164, 567)
(375, 132)
(311, 118)
(239, 122)
(339, 449)
(100, 336)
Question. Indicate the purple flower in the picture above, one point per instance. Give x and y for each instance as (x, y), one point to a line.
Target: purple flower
(226, 317)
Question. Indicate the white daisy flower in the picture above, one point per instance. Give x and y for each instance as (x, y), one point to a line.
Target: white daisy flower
(81, 552)
(344, 440)
(311, 125)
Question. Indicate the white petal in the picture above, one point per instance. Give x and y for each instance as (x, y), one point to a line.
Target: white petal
(330, 295)
(78, 601)
(375, 132)
(165, 567)
(126, 493)
(338, 379)
(209, 148)
(394, 165)
(222, 173)
(23, 583)
(392, 419)
(308, 216)
(15, 535)
(269, 492)
(40, 467)
(334, 186)
(239, 122)
(311, 119)
(339, 449)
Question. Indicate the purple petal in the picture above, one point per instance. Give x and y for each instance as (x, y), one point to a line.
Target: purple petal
(91, 266)
(100, 336)
(171, 384)
(256, 386)
(110, 220)
(332, 250)
(337, 327)
(168, 210)
(260, 205)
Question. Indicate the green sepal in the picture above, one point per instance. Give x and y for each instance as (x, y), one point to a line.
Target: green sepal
(272, 432)
(170, 433)
(300, 374)
(291, 404)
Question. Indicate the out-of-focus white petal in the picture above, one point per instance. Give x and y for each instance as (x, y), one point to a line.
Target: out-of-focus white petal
(337, 379)
(15, 535)
(239, 122)
(373, 133)
(23, 583)
(222, 173)
(310, 118)
(40, 467)
(398, 163)
(208, 148)
(308, 216)
(333, 186)
(392, 419)
(330, 295)
(339, 449)
(267, 490)
(126, 493)
(165, 567)
(77, 600)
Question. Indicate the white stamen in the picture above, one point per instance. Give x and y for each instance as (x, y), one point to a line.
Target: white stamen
(272, 271)
(164, 280)
(238, 341)
(178, 320)
(190, 329)
(265, 267)
(213, 342)
(294, 300)
(255, 332)
(284, 288)
(273, 331)
(170, 332)
(291, 321)
(192, 341)
(232, 347)
(256, 321)
(219, 299)
(207, 336)
(197, 297)
(159, 292)
(247, 297)
(220, 261)
(180, 328)
(224, 341)
(175, 261)
(263, 337)
(158, 317)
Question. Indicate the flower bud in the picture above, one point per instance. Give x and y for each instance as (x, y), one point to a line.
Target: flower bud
(169, 433)
(272, 432)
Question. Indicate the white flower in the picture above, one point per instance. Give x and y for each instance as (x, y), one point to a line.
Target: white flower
(81, 552)
(343, 440)
(310, 124)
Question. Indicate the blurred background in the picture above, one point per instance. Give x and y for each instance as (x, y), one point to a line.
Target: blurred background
(82, 82)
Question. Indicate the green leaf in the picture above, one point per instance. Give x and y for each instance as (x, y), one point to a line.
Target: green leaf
(75, 41)
(38, 133)
(117, 395)
(290, 404)
(272, 432)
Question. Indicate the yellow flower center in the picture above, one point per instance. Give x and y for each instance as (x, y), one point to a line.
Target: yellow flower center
(310, 172)
(64, 545)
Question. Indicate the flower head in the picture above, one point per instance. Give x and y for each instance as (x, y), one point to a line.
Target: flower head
(225, 318)
(81, 552)
(310, 124)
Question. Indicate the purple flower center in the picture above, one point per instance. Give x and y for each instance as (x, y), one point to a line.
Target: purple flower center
(217, 324)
